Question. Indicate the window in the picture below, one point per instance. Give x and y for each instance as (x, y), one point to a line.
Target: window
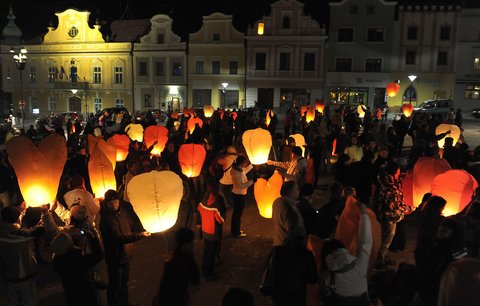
(442, 58)
(97, 75)
(52, 74)
(142, 69)
(160, 39)
(34, 105)
(201, 97)
(159, 69)
(309, 62)
(284, 61)
(472, 91)
(375, 34)
(370, 9)
(97, 104)
(476, 63)
(118, 75)
(177, 69)
(286, 22)
(343, 64)
(233, 67)
(119, 102)
(33, 74)
(199, 67)
(412, 33)
(260, 61)
(353, 9)
(345, 35)
(52, 104)
(444, 33)
(373, 65)
(215, 67)
(147, 100)
(216, 37)
(8, 74)
(411, 57)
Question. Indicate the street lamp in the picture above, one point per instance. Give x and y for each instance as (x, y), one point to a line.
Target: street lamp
(225, 85)
(412, 78)
(20, 60)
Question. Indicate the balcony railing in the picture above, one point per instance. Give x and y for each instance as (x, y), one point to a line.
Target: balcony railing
(70, 85)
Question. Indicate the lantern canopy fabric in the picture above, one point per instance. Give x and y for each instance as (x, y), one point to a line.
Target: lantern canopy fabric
(456, 187)
(208, 111)
(100, 171)
(392, 89)
(407, 109)
(266, 192)
(158, 135)
(135, 132)
(299, 142)
(191, 158)
(268, 117)
(192, 122)
(38, 169)
(109, 150)
(233, 115)
(319, 105)
(407, 187)
(424, 172)
(310, 115)
(174, 115)
(443, 128)
(156, 197)
(257, 143)
(122, 144)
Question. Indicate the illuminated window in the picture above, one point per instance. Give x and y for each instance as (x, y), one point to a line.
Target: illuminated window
(119, 103)
(147, 100)
(52, 104)
(473, 91)
(118, 75)
(476, 63)
(97, 75)
(34, 105)
(215, 67)
(52, 74)
(97, 104)
(33, 74)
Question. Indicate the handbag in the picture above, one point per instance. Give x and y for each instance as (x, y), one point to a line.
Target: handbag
(267, 286)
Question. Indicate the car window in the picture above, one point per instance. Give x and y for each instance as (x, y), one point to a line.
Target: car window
(429, 105)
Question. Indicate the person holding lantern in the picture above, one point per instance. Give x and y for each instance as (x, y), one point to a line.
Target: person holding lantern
(239, 172)
(295, 168)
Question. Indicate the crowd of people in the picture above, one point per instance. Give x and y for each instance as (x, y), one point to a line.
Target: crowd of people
(331, 254)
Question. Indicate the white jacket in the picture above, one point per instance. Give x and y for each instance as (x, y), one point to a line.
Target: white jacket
(240, 181)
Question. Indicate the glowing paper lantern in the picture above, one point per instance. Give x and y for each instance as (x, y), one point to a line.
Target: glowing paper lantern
(424, 172)
(157, 135)
(407, 187)
(192, 122)
(303, 110)
(189, 112)
(208, 111)
(407, 109)
(135, 132)
(233, 115)
(360, 111)
(38, 169)
(156, 197)
(443, 128)
(310, 115)
(174, 115)
(191, 158)
(392, 89)
(266, 192)
(260, 28)
(268, 117)
(121, 143)
(257, 144)
(109, 150)
(299, 142)
(100, 171)
(455, 186)
(319, 105)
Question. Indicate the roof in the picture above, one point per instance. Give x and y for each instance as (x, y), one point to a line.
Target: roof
(129, 30)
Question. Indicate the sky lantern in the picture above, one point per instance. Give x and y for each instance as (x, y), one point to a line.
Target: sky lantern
(174, 115)
(109, 150)
(361, 110)
(407, 109)
(121, 143)
(319, 105)
(266, 192)
(221, 113)
(233, 115)
(191, 158)
(424, 172)
(310, 115)
(158, 136)
(299, 142)
(156, 197)
(192, 122)
(407, 187)
(189, 111)
(260, 28)
(38, 169)
(392, 89)
(257, 143)
(268, 117)
(100, 171)
(208, 111)
(443, 128)
(303, 110)
(456, 187)
(135, 132)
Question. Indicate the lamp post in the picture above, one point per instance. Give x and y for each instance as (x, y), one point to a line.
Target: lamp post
(20, 60)
(412, 78)
(224, 85)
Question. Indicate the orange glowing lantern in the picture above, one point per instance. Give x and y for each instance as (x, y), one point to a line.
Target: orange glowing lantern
(157, 135)
(407, 109)
(100, 171)
(208, 111)
(174, 115)
(260, 28)
(407, 187)
(233, 115)
(334, 156)
(303, 110)
(38, 169)
(268, 117)
(135, 132)
(189, 111)
(192, 122)
(156, 197)
(257, 143)
(266, 192)
(444, 128)
(299, 142)
(392, 89)
(109, 150)
(456, 187)
(122, 144)
(319, 105)
(361, 111)
(424, 172)
(191, 158)
(221, 113)
(310, 115)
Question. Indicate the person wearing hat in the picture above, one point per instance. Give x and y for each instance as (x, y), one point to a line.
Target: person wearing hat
(120, 227)
(295, 168)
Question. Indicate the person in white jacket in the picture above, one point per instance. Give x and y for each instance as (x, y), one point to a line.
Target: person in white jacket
(347, 278)
(238, 173)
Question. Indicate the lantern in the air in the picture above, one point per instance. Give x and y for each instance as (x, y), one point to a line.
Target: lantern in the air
(109, 150)
(257, 143)
(319, 105)
(444, 128)
(456, 187)
(266, 192)
(424, 172)
(38, 169)
(392, 89)
(135, 132)
(121, 143)
(157, 135)
(299, 142)
(310, 115)
(260, 28)
(361, 111)
(192, 122)
(156, 197)
(407, 109)
(191, 158)
(100, 171)
(268, 117)
(208, 111)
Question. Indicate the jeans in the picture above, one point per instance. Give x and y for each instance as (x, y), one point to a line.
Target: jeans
(238, 205)
(210, 248)
(23, 293)
(117, 290)
(226, 193)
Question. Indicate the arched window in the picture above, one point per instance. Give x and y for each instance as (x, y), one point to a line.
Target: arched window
(286, 22)
(410, 94)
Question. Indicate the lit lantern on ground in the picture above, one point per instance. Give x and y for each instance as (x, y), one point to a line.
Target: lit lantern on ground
(233, 115)
(38, 169)
(310, 115)
(122, 144)
(392, 89)
(191, 158)
(156, 197)
(260, 28)
(266, 192)
(424, 172)
(299, 142)
(319, 105)
(456, 187)
(135, 132)
(257, 143)
(100, 171)
(268, 117)
(192, 122)
(157, 135)
(444, 128)
(109, 150)
(208, 111)
(407, 109)
(360, 111)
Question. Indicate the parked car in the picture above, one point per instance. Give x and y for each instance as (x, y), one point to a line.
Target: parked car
(113, 110)
(439, 106)
(158, 114)
(475, 113)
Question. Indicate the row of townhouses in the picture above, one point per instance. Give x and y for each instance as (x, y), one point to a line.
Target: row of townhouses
(283, 59)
